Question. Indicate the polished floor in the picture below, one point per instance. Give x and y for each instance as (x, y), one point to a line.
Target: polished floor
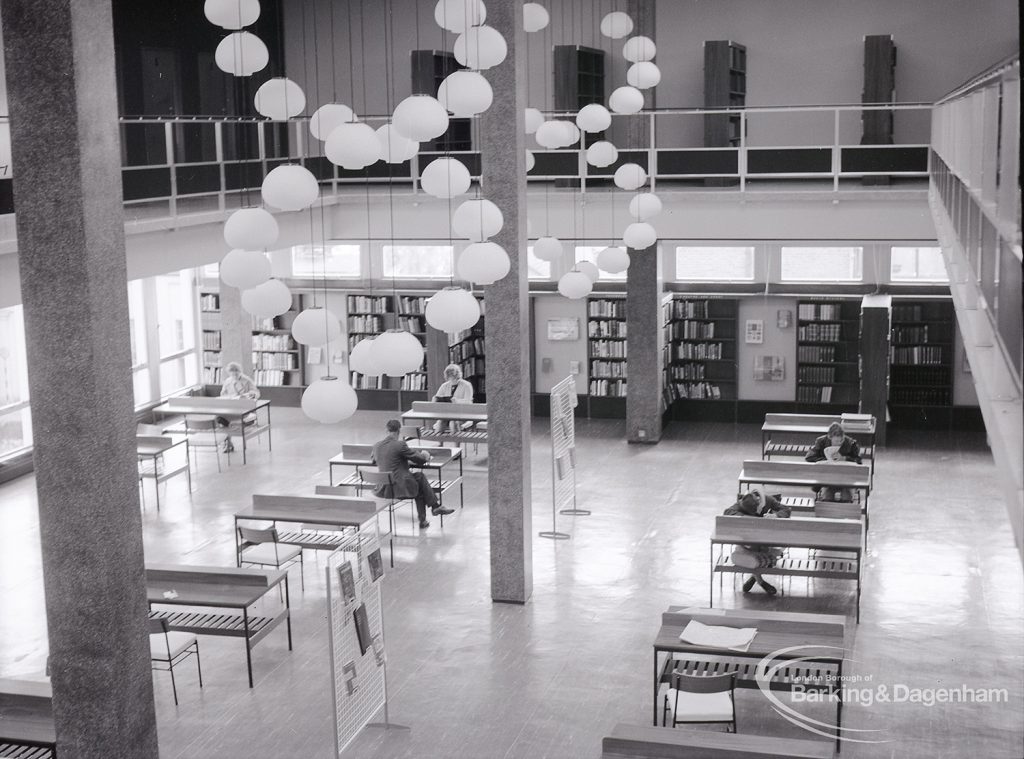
(943, 604)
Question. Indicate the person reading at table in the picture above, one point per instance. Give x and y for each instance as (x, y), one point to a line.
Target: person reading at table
(834, 446)
(757, 504)
(454, 389)
(393, 455)
(237, 385)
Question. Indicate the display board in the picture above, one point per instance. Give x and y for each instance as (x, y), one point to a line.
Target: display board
(563, 455)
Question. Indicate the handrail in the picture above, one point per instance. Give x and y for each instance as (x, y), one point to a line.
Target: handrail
(981, 79)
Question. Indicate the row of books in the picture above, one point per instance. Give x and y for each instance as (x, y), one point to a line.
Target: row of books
(917, 354)
(920, 396)
(688, 330)
(606, 329)
(211, 340)
(815, 353)
(365, 382)
(915, 334)
(697, 351)
(211, 375)
(466, 349)
(285, 361)
(410, 323)
(688, 309)
(471, 367)
(823, 333)
(265, 324)
(366, 324)
(416, 381)
(810, 311)
(477, 330)
(907, 313)
(615, 308)
(271, 377)
(411, 304)
(364, 304)
(806, 394)
(608, 369)
(695, 391)
(816, 374)
(687, 372)
(908, 374)
(609, 388)
(209, 302)
(211, 358)
(273, 343)
(607, 349)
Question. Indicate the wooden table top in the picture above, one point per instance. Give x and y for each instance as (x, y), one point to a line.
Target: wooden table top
(226, 407)
(809, 423)
(806, 473)
(26, 711)
(439, 457)
(333, 511)
(826, 534)
(153, 445)
(226, 587)
(450, 413)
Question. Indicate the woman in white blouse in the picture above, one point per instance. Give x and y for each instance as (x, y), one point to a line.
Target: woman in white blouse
(453, 390)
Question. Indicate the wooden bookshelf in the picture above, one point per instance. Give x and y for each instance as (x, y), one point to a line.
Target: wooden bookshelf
(467, 349)
(700, 339)
(368, 316)
(828, 333)
(725, 86)
(276, 357)
(409, 317)
(606, 356)
(210, 334)
(429, 69)
(579, 81)
(921, 362)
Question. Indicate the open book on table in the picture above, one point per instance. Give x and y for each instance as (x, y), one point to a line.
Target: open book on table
(718, 636)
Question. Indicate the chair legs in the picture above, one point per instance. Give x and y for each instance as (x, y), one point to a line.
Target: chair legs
(174, 687)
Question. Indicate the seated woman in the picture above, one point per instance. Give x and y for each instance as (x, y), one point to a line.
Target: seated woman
(756, 504)
(835, 445)
(236, 385)
(453, 390)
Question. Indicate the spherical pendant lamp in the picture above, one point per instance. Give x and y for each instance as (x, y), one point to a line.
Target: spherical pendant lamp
(548, 249)
(477, 220)
(232, 14)
(639, 235)
(593, 117)
(327, 117)
(465, 93)
(616, 25)
(452, 310)
(445, 178)
(397, 353)
(530, 161)
(533, 118)
(588, 269)
(483, 263)
(316, 326)
(613, 260)
(244, 269)
(572, 133)
(290, 188)
(480, 48)
(329, 400)
(602, 154)
(643, 75)
(241, 54)
(394, 148)
(268, 300)
(459, 15)
(279, 99)
(420, 118)
(535, 17)
(352, 146)
(552, 135)
(575, 285)
(639, 49)
(250, 229)
(360, 359)
(645, 206)
(626, 100)
(630, 176)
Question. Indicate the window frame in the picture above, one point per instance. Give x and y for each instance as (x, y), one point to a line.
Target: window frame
(677, 246)
(784, 247)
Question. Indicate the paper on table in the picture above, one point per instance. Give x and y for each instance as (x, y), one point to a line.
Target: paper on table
(831, 452)
(717, 636)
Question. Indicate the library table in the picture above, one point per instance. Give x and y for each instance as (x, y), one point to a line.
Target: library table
(361, 456)
(804, 426)
(154, 447)
(232, 409)
(219, 588)
(26, 718)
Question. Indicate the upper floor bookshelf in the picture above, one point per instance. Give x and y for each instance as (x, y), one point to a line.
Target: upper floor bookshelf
(828, 334)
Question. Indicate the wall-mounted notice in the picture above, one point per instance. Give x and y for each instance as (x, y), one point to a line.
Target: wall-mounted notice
(563, 329)
(770, 368)
(755, 331)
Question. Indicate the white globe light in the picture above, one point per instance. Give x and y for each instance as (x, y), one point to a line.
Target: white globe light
(626, 100)
(329, 400)
(452, 310)
(589, 270)
(533, 118)
(551, 135)
(616, 25)
(316, 326)
(643, 75)
(360, 358)
(279, 99)
(639, 235)
(483, 263)
(575, 285)
(593, 118)
(327, 117)
(251, 229)
(535, 17)
(420, 118)
(244, 268)
(602, 154)
(241, 54)
(477, 220)
(445, 178)
(268, 300)
(397, 353)
(465, 93)
(548, 249)
(638, 49)
(645, 206)
(480, 47)
(630, 176)
(232, 14)
(459, 15)
(572, 133)
(394, 148)
(290, 188)
(530, 160)
(352, 145)
(613, 260)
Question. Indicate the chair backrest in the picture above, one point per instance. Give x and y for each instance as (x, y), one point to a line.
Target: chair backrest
(702, 683)
(157, 626)
(255, 535)
(408, 432)
(149, 430)
(200, 423)
(356, 452)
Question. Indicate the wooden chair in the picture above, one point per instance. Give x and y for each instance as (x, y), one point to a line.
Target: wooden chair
(374, 479)
(168, 648)
(201, 430)
(697, 699)
(261, 547)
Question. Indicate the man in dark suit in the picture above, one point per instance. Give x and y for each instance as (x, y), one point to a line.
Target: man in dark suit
(393, 455)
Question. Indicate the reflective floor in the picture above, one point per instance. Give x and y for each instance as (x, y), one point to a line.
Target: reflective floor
(943, 605)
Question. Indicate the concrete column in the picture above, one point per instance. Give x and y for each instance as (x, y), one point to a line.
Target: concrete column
(65, 147)
(502, 144)
(643, 286)
(235, 330)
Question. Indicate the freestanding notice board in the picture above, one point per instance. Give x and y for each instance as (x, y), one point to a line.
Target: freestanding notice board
(563, 455)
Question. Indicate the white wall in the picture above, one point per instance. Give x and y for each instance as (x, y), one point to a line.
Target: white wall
(560, 352)
(777, 342)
